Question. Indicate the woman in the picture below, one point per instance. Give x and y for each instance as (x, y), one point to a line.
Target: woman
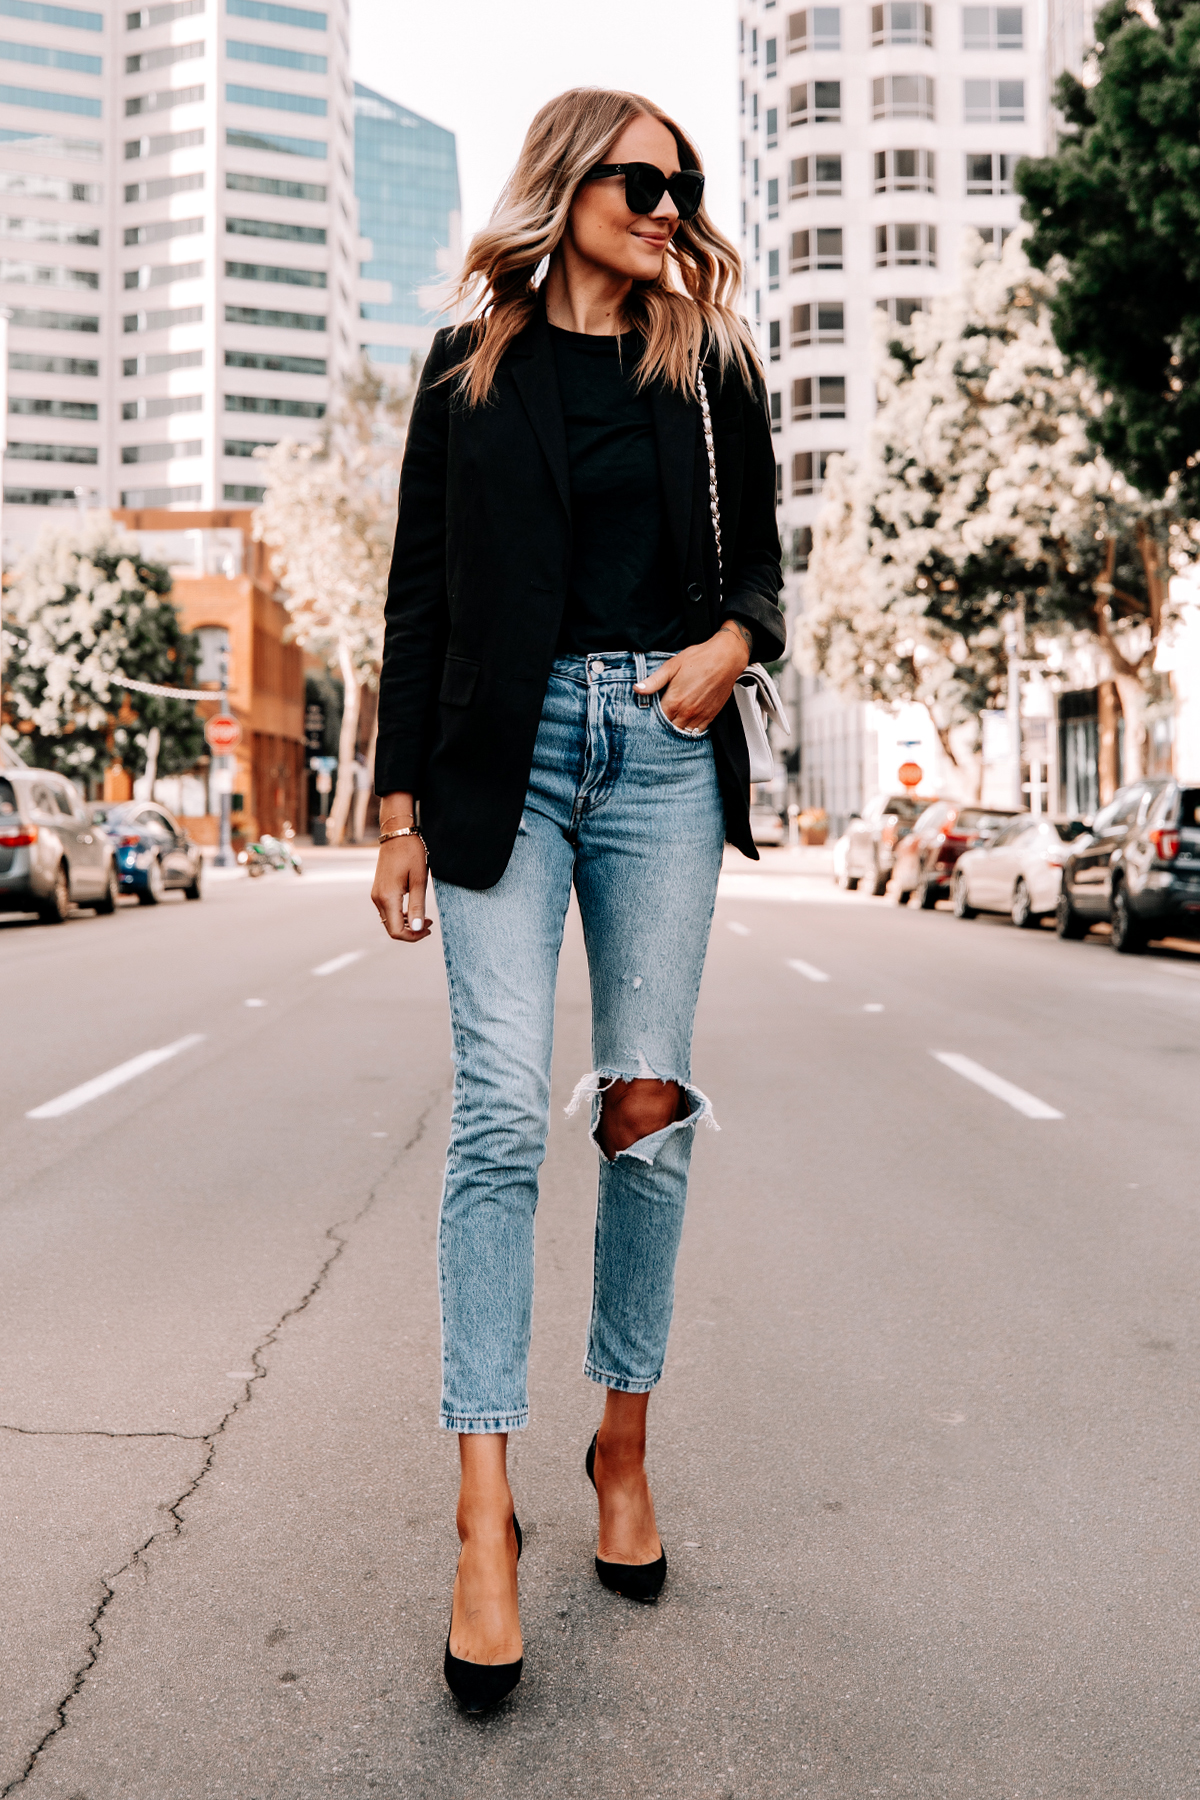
(555, 698)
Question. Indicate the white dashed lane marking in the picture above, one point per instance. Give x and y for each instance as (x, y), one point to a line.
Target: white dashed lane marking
(112, 1078)
(806, 969)
(338, 962)
(1013, 1096)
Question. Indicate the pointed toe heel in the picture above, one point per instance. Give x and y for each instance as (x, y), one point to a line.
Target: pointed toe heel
(479, 1686)
(633, 1581)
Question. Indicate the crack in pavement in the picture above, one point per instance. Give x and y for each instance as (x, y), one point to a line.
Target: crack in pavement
(184, 1437)
(339, 1236)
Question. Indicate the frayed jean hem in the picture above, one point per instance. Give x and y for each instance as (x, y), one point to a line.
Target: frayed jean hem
(476, 1424)
(622, 1384)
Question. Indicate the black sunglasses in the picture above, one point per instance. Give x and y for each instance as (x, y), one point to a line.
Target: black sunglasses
(645, 186)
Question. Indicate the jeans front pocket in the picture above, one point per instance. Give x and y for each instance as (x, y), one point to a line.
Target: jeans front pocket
(689, 737)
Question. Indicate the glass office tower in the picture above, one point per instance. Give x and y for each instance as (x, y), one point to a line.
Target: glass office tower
(406, 182)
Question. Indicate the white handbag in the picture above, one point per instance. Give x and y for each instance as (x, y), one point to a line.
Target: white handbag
(756, 694)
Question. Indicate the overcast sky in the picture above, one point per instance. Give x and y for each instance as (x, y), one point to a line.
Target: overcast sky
(483, 67)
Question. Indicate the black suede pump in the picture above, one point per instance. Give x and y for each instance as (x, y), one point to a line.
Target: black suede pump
(636, 1581)
(476, 1686)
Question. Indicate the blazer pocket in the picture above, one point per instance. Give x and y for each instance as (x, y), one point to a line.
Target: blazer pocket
(458, 681)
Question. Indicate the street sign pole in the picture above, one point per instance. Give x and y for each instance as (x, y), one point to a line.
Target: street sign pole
(222, 734)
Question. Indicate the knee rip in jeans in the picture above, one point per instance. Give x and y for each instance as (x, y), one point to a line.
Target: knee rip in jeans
(595, 1084)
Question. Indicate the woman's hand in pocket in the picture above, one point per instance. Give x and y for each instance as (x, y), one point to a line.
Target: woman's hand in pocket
(696, 684)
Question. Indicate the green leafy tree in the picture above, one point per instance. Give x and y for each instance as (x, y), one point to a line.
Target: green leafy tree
(84, 606)
(1119, 202)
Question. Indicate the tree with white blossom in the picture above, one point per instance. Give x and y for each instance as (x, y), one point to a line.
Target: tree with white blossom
(981, 498)
(329, 517)
(83, 607)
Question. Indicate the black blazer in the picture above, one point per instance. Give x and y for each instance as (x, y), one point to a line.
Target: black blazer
(479, 580)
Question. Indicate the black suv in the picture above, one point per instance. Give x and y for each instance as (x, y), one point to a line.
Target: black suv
(1140, 868)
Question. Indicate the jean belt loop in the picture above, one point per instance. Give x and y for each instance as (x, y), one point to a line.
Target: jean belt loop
(639, 663)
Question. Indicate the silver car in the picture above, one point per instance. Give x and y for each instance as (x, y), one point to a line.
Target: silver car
(51, 855)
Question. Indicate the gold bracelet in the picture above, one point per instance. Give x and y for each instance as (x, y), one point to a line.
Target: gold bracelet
(404, 831)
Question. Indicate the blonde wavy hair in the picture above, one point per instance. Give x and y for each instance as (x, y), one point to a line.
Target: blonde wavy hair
(686, 312)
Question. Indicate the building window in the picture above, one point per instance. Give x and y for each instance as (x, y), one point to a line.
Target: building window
(163, 363)
(902, 97)
(245, 446)
(163, 275)
(277, 15)
(53, 409)
(143, 60)
(801, 547)
(275, 142)
(902, 22)
(772, 270)
(276, 100)
(164, 320)
(272, 228)
(773, 198)
(163, 144)
(772, 127)
(817, 101)
(817, 28)
(161, 406)
(754, 49)
(154, 453)
(901, 310)
(815, 175)
(904, 172)
(162, 15)
(163, 99)
(824, 323)
(779, 484)
(755, 181)
(822, 398)
(808, 470)
(776, 411)
(281, 321)
(164, 229)
(158, 190)
(993, 27)
(900, 246)
(998, 235)
(48, 275)
(164, 496)
(33, 319)
(45, 57)
(269, 184)
(774, 340)
(772, 57)
(244, 271)
(283, 365)
(820, 249)
(994, 102)
(291, 409)
(990, 174)
(279, 58)
(58, 453)
(39, 363)
(59, 15)
(48, 101)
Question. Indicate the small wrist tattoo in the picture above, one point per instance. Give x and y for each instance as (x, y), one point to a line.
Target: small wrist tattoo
(743, 631)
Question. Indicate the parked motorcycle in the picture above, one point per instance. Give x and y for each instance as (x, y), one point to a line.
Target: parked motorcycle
(271, 853)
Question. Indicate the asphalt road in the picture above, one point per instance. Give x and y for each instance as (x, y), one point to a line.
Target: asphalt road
(925, 1456)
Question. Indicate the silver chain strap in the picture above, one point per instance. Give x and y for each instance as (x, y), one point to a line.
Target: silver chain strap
(714, 503)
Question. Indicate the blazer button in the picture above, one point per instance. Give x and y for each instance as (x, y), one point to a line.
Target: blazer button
(695, 592)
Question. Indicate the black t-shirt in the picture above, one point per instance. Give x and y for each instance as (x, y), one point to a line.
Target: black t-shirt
(624, 588)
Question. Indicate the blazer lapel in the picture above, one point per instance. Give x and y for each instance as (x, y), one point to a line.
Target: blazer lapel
(536, 381)
(675, 425)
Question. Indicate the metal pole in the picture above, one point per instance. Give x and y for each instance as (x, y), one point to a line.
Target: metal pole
(224, 856)
(1012, 644)
(5, 316)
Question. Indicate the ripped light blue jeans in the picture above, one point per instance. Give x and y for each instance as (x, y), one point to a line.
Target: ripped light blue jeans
(627, 808)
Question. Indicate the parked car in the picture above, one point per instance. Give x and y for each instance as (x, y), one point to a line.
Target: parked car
(153, 851)
(50, 852)
(1019, 872)
(766, 825)
(926, 858)
(1087, 880)
(1141, 869)
(872, 838)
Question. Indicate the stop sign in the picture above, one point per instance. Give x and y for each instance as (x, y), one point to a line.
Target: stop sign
(910, 774)
(222, 733)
